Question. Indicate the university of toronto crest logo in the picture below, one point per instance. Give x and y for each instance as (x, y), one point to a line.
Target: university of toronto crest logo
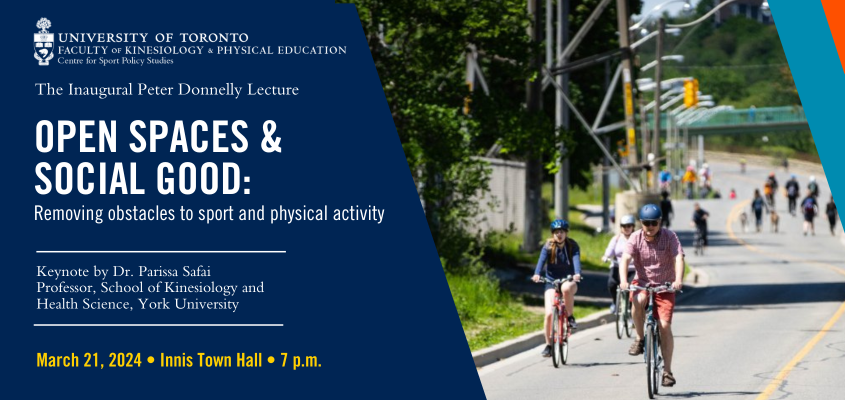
(43, 43)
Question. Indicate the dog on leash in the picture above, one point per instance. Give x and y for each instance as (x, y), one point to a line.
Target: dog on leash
(743, 219)
(775, 219)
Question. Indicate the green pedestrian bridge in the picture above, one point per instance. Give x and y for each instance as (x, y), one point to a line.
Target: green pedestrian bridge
(727, 121)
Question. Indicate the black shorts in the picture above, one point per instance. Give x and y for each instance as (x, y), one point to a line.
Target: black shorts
(809, 216)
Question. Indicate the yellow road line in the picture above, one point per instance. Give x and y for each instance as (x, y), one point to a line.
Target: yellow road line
(784, 373)
(781, 376)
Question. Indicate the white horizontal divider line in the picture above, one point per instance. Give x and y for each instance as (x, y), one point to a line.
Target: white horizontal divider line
(160, 251)
(157, 324)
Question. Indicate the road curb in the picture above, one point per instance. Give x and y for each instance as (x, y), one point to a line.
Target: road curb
(528, 341)
(484, 357)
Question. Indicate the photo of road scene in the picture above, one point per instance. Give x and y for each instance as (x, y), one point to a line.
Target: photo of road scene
(550, 152)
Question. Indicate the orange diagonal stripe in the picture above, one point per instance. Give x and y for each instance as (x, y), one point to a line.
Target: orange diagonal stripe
(834, 10)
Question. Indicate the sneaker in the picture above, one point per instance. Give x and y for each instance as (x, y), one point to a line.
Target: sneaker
(668, 379)
(547, 352)
(572, 323)
(613, 308)
(637, 348)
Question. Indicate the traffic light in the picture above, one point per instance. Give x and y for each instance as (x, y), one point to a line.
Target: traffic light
(690, 93)
(695, 90)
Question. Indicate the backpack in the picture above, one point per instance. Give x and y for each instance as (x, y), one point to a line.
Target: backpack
(792, 191)
(767, 188)
(813, 187)
(809, 206)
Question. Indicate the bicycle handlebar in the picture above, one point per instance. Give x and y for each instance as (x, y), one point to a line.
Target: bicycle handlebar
(663, 288)
(568, 278)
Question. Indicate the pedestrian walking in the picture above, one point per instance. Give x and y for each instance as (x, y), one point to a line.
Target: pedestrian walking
(830, 210)
(793, 189)
(757, 206)
(811, 208)
(666, 209)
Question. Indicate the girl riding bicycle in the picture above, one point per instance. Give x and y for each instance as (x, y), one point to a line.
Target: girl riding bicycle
(614, 252)
(559, 258)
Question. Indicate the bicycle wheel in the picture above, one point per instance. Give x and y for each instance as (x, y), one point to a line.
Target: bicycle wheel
(658, 361)
(556, 340)
(621, 324)
(629, 321)
(649, 361)
(564, 343)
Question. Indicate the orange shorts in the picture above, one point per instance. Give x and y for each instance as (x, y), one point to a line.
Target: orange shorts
(664, 304)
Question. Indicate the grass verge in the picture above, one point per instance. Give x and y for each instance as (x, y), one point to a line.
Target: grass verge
(491, 315)
(504, 249)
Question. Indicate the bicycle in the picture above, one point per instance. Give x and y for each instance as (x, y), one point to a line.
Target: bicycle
(561, 330)
(624, 322)
(699, 242)
(652, 354)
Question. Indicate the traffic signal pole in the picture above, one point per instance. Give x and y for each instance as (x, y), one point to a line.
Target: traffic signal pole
(658, 77)
(624, 43)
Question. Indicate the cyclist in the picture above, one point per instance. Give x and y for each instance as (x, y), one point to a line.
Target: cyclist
(614, 252)
(560, 257)
(699, 221)
(706, 175)
(688, 180)
(658, 258)
(757, 206)
(810, 207)
(792, 192)
(666, 209)
(742, 165)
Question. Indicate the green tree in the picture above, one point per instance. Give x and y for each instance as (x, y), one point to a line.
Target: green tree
(419, 50)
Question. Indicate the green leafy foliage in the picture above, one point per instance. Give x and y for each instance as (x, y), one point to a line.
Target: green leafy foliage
(419, 51)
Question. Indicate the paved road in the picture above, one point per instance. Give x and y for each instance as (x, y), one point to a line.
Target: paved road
(766, 327)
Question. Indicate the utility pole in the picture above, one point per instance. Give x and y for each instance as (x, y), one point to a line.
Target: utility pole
(561, 109)
(624, 43)
(658, 77)
(605, 181)
(533, 162)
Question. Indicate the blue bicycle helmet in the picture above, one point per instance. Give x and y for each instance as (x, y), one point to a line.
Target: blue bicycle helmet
(559, 224)
(650, 212)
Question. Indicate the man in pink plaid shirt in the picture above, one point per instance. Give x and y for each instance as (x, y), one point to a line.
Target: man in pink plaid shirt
(658, 258)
